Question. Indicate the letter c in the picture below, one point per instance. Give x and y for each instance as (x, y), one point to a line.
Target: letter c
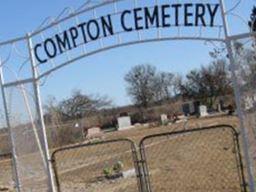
(37, 56)
(123, 22)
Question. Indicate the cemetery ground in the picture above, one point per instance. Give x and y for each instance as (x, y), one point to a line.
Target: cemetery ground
(90, 168)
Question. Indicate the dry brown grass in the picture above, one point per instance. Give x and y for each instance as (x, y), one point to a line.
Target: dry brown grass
(181, 165)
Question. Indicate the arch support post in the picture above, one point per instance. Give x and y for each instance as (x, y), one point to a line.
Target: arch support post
(244, 131)
(39, 113)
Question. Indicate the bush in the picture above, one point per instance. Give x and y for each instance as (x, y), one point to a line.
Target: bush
(107, 172)
(114, 171)
(118, 167)
(137, 118)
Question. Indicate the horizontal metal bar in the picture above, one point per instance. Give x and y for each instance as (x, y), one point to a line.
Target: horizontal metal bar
(15, 83)
(102, 142)
(13, 40)
(56, 23)
(221, 126)
(74, 15)
(242, 36)
(127, 44)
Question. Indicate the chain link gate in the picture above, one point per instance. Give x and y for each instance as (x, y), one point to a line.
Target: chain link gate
(94, 167)
(205, 159)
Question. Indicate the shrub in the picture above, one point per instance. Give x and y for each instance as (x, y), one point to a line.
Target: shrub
(118, 167)
(107, 171)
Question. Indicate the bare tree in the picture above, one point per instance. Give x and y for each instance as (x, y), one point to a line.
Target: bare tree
(163, 86)
(147, 86)
(246, 65)
(177, 82)
(59, 114)
(78, 105)
(140, 80)
(54, 123)
(208, 83)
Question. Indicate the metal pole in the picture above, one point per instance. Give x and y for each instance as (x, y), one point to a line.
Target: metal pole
(22, 89)
(40, 116)
(11, 137)
(244, 131)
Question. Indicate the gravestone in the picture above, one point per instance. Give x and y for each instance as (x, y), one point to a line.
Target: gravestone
(77, 125)
(186, 109)
(92, 132)
(219, 108)
(196, 107)
(164, 119)
(203, 111)
(190, 108)
(124, 123)
(248, 102)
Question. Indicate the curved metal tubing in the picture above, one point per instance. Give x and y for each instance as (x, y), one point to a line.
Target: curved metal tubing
(128, 44)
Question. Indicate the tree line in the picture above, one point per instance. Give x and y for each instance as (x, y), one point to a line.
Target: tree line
(146, 86)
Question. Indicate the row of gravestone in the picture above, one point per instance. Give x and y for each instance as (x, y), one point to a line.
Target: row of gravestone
(194, 108)
(124, 122)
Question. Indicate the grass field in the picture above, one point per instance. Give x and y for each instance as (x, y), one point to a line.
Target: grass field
(204, 161)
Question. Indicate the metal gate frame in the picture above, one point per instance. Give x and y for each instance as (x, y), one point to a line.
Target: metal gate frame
(140, 158)
(135, 157)
(239, 161)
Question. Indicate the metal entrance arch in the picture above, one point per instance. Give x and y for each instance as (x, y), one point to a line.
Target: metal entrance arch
(27, 76)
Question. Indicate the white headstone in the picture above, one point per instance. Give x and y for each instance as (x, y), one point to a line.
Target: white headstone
(219, 108)
(248, 103)
(124, 123)
(77, 125)
(164, 119)
(203, 111)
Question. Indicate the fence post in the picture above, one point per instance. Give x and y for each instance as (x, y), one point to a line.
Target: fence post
(39, 112)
